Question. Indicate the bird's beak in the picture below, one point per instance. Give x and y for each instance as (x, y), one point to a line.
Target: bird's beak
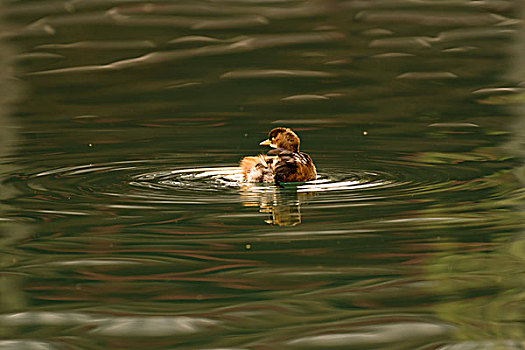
(266, 143)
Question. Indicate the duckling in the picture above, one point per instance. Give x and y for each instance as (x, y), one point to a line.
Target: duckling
(282, 164)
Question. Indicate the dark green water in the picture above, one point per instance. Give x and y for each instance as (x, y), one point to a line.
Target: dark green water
(122, 225)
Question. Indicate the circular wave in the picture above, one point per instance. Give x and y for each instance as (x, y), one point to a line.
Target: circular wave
(219, 178)
(153, 182)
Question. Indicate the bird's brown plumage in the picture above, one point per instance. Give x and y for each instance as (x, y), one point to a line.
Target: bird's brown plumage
(285, 163)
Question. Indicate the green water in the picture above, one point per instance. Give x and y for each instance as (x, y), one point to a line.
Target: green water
(123, 225)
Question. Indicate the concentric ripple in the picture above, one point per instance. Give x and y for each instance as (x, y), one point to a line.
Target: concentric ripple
(215, 179)
(152, 181)
(197, 179)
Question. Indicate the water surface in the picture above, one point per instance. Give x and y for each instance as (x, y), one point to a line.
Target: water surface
(122, 221)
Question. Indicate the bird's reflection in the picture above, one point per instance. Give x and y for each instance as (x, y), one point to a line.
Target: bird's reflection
(282, 204)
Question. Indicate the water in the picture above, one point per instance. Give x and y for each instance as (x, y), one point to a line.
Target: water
(123, 224)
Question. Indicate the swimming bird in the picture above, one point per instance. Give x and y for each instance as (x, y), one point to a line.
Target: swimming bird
(285, 163)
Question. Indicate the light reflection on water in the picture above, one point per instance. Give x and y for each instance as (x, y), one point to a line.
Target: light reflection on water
(123, 223)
